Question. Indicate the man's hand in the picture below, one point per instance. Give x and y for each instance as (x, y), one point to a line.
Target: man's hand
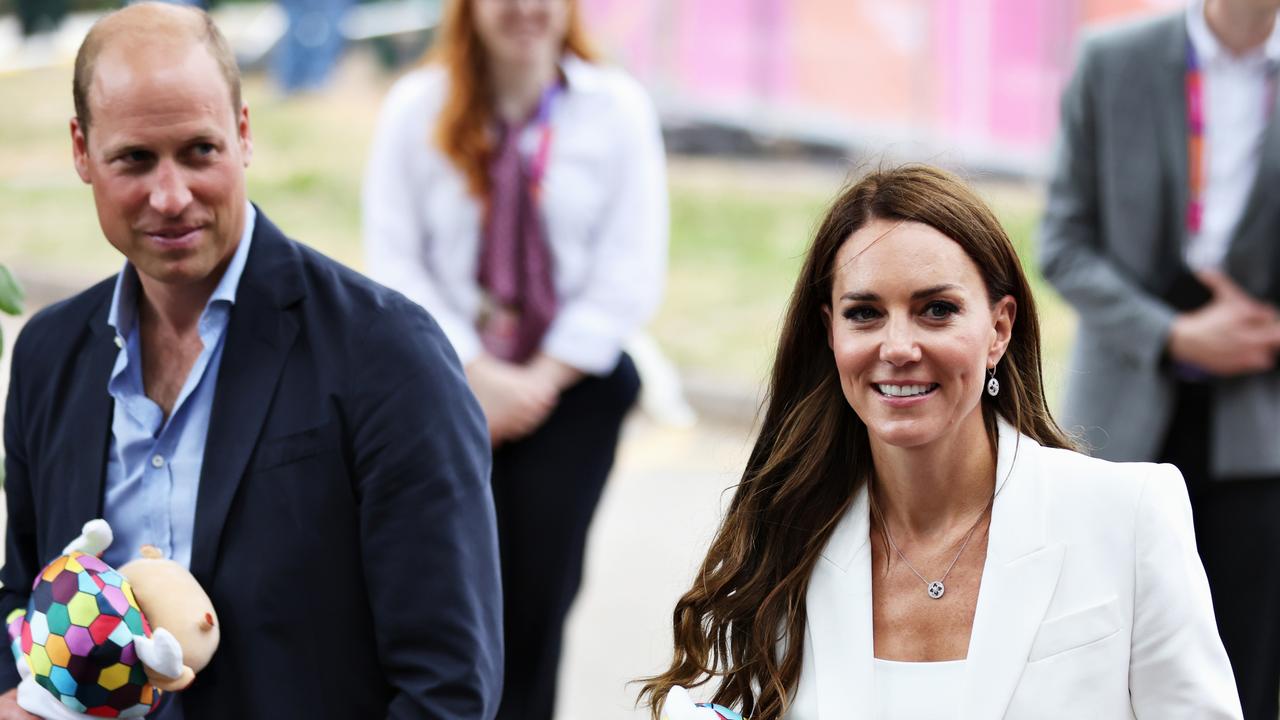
(1234, 334)
(10, 710)
(514, 399)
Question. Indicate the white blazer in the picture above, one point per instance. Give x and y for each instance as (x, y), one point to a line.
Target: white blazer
(1093, 602)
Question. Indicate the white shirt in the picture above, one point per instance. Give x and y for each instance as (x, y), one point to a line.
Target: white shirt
(604, 202)
(1236, 96)
(918, 690)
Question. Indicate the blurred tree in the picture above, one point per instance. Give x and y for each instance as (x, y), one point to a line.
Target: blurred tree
(11, 297)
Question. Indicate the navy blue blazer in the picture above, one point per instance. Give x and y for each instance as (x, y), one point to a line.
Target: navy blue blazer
(344, 523)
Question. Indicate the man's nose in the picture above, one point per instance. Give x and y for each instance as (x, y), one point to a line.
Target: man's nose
(169, 192)
(899, 346)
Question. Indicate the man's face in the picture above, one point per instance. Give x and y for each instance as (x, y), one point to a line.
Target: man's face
(165, 155)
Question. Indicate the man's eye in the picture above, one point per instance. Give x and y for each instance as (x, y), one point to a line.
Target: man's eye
(136, 157)
(939, 310)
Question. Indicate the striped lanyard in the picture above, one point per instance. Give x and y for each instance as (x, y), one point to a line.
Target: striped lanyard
(1196, 133)
(546, 133)
(1195, 140)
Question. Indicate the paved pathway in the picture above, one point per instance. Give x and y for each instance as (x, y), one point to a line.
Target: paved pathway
(654, 524)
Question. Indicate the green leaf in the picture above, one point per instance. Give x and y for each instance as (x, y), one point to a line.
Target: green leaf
(11, 295)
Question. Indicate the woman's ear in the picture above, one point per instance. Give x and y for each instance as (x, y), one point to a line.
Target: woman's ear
(1003, 315)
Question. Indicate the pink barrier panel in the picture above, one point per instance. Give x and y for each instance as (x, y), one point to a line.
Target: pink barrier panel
(984, 73)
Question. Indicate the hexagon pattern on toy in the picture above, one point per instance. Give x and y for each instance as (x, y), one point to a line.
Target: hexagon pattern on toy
(77, 638)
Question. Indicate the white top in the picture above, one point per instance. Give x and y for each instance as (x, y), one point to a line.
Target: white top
(1236, 105)
(918, 690)
(604, 200)
(1093, 604)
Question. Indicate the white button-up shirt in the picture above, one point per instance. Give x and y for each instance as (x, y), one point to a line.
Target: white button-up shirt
(1237, 95)
(604, 202)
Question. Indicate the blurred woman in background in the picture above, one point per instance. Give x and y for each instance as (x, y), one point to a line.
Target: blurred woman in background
(516, 189)
(906, 460)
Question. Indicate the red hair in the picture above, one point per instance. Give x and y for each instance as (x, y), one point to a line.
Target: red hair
(463, 132)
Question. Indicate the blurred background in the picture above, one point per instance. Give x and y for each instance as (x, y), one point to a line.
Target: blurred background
(767, 106)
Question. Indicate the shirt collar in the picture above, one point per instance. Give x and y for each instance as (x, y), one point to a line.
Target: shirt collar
(1210, 50)
(124, 299)
(579, 75)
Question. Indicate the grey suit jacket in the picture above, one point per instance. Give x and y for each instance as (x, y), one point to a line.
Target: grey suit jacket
(1112, 243)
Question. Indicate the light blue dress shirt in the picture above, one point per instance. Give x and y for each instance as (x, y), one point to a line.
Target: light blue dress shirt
(153, 466)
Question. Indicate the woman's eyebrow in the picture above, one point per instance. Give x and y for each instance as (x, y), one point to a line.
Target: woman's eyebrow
(935, 290)
(856, 296)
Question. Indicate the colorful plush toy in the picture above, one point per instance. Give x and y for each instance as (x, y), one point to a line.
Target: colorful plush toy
(679, 706)
(97, 642)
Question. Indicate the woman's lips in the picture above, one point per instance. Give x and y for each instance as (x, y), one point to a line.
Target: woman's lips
(891, 393)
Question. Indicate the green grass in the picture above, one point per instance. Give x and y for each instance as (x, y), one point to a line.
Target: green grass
(737, 235)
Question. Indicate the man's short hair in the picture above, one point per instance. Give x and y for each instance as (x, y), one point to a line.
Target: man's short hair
(201, 28)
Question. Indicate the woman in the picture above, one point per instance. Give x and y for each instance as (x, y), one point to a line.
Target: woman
(516, 189)
(913, 536)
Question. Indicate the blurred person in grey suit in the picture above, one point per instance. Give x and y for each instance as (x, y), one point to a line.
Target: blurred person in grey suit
(1163, 231)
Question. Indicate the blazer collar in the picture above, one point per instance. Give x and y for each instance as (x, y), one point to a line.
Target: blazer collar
(259, 337)
(1250, 257)
(1018, 581)
(87, 393)
(1166, 109)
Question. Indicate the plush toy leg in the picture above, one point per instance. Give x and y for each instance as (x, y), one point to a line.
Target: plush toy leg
(679, 706)
(95, 538)
(41, 703)
(162, 655)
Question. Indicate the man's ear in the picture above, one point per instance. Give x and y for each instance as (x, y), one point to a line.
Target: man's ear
(826, 320)
(80, 149)
(1003, 315)
(245, 133)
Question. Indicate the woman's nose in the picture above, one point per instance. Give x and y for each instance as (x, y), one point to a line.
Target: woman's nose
(899, 346)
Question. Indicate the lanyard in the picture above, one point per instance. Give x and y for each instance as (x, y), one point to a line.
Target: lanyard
(538, 165)
(1195, 140)
(1196, 133)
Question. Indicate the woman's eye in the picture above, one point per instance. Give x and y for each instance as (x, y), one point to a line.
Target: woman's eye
(860, 314)
(939, 310)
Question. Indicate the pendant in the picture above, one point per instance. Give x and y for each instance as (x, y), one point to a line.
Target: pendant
(993, 387)
(936, 588)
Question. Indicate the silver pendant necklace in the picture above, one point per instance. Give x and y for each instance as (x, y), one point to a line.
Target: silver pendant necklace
(935, 588)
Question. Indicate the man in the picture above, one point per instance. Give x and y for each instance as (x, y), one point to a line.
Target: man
(299, 436)
(1163, 230)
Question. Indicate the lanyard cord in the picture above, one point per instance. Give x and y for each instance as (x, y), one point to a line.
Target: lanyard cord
(1196, 163)
(1195, 140)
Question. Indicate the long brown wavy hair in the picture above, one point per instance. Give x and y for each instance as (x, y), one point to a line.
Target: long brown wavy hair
(464, 131)
(743, 621)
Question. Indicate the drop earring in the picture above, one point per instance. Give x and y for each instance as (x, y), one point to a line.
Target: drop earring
(993, 385)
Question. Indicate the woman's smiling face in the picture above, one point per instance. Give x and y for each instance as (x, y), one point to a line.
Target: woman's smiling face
(913, 332)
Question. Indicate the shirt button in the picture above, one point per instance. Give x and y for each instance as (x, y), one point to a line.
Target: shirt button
(157, 461)
(119, 342)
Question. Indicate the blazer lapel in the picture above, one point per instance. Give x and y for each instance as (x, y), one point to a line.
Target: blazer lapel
(1018, 581)
(1250, 259)
(259, 336)
(90, 426)
(840, 620)
(1169, 105)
